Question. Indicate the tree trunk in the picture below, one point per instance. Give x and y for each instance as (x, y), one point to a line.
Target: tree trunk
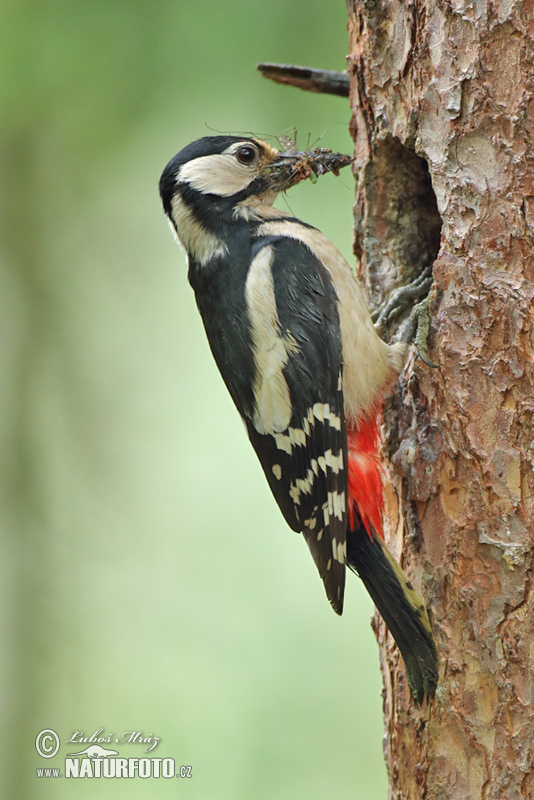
(442, 99)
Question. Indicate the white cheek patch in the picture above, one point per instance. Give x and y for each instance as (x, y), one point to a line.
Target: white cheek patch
(219, 174)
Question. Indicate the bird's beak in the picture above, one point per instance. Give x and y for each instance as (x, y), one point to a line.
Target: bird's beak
(292, 166)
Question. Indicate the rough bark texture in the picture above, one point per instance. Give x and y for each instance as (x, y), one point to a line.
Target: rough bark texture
(442, 97)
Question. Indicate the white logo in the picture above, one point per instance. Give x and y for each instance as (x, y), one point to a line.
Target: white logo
(95, 761)
(47, 743)
(95, 751)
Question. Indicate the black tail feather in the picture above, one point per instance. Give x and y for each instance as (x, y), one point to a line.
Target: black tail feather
(401, 607)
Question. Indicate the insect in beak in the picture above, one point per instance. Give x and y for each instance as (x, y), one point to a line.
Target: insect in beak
(292, 166)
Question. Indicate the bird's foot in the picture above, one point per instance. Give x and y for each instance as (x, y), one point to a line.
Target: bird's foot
(417, 328)
(401, 298)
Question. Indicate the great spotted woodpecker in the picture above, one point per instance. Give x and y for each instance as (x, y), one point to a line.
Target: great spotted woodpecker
(290, 331)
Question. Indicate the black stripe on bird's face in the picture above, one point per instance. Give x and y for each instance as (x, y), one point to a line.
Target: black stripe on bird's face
(222, 166)
(219, 181)
(202, 186)
(239, 168)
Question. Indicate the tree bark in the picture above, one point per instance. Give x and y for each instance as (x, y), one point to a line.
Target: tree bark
(442, 95)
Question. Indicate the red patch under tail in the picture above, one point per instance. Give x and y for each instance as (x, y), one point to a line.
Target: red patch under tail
(365, 473)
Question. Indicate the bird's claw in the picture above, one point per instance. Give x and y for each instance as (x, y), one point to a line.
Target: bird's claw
(417, 328)
(401, 298)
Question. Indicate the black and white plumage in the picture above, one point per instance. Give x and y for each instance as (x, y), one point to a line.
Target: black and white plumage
(290, 332)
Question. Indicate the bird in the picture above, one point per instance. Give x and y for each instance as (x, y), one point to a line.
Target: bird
(290, 331)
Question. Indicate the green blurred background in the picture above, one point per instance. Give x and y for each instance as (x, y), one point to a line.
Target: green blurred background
(149, 583)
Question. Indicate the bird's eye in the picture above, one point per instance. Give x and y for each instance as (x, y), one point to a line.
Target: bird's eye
(246, 154)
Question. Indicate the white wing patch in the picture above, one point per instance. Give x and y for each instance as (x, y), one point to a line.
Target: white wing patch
(339, 550)
(322, 412)
(370, 362)
(271, 353)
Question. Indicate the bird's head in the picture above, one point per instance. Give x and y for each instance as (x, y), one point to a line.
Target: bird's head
(220, 176)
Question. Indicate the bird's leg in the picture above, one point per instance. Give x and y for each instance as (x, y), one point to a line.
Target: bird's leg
(416, 330)
(417, 326)
(401, 298)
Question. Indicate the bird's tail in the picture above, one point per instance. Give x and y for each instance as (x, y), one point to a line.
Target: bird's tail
(401, 607)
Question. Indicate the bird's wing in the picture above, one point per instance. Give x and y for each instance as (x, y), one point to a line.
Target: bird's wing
(298, 425)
